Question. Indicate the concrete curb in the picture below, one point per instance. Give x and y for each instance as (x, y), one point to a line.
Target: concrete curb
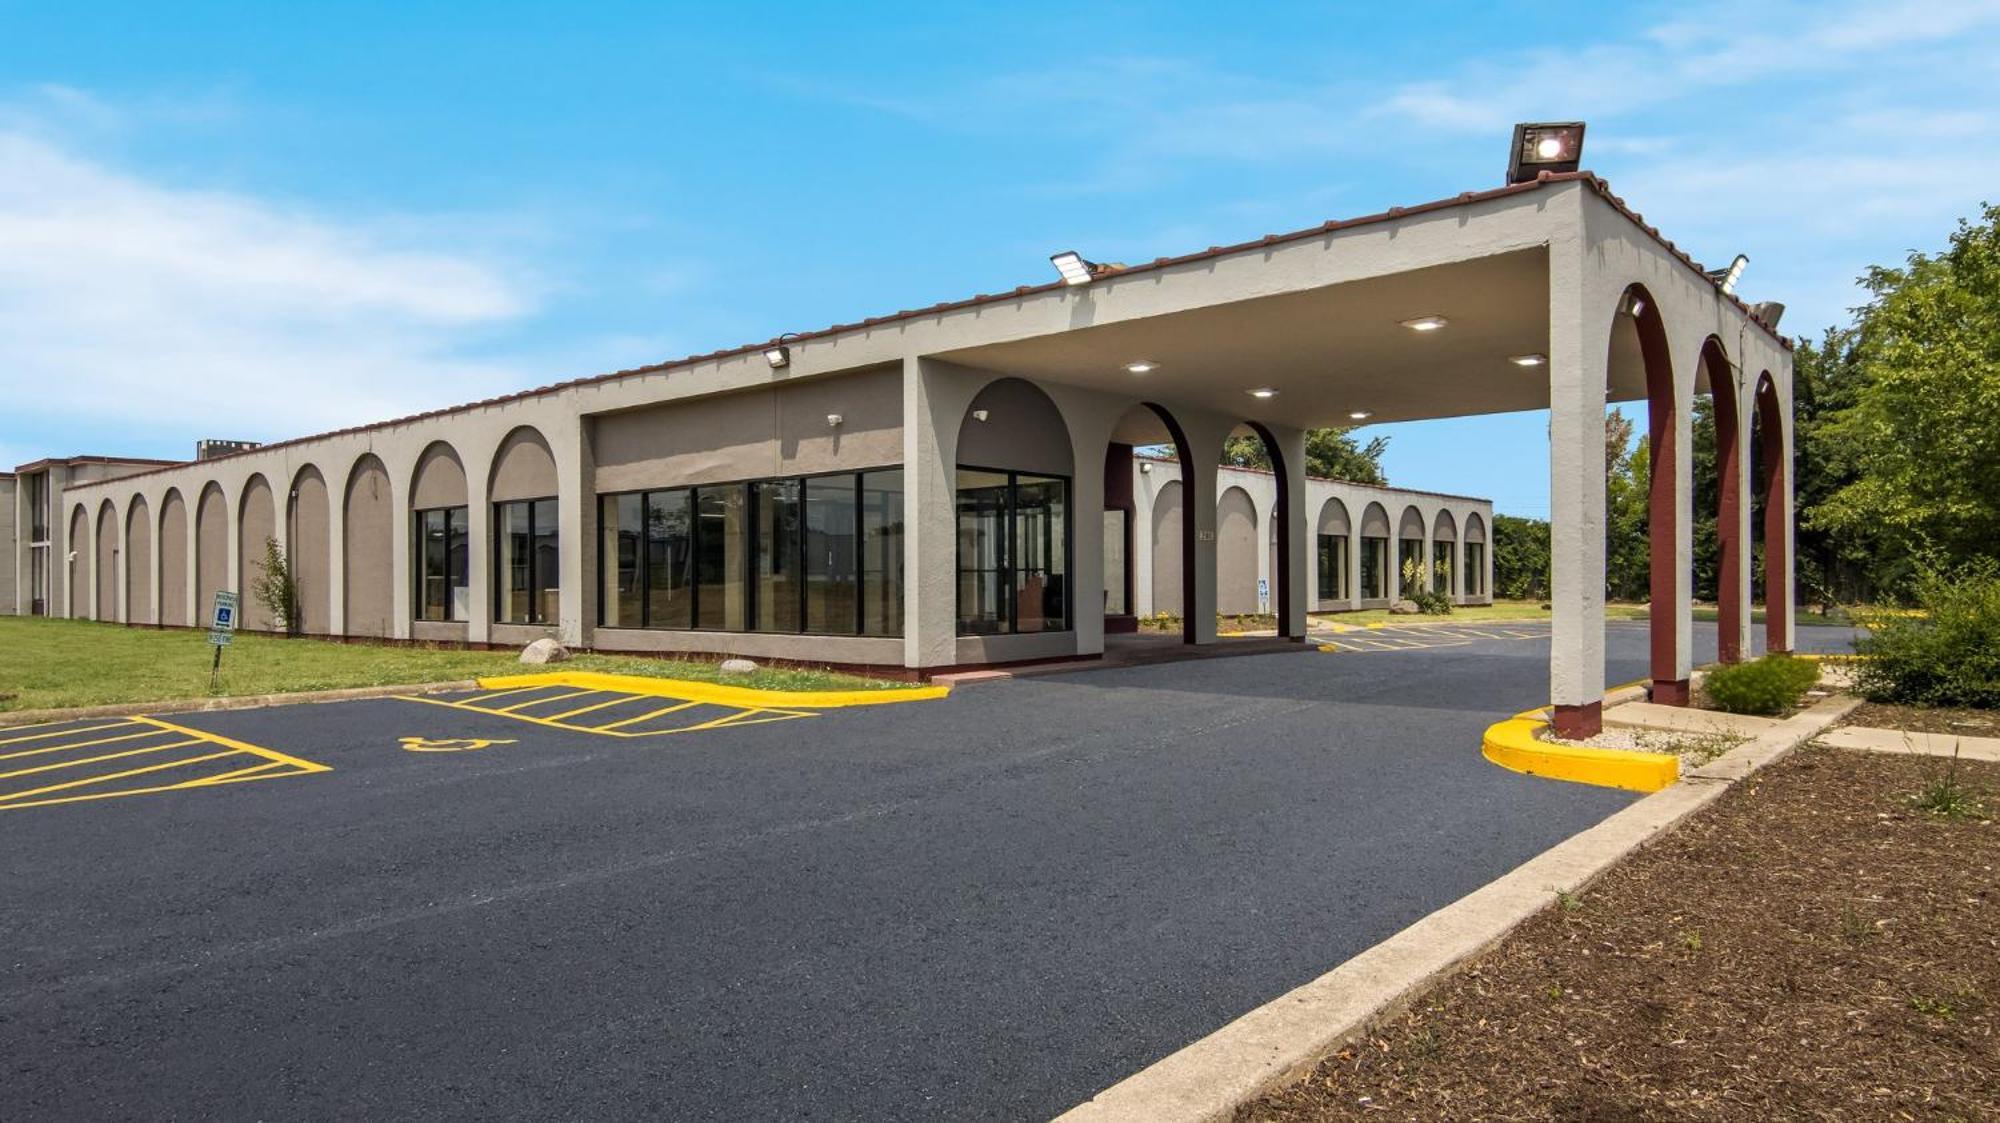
(1285, 1038)
(233, 702)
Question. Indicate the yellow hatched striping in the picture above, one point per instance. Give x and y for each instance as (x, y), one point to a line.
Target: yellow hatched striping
(261, 763)
(625, 726)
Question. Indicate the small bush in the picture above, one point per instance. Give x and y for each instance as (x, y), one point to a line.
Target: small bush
(1947, 655)
(1766, 686)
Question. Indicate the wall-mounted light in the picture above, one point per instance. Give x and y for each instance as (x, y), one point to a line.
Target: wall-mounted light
(1263, 392)
(1768, 311)
(833, 420)
(1554, 146)
(1728, 277)
(1528, 360)
(1360, 415)
(979, 415)
(1635, 305)
(777, 354)
(1145, 468)
(1074, 268)
(1142, 366)
(1426, 323)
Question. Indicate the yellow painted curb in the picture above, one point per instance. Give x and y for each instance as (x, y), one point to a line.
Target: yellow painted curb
(717, 693)
(1516, 744)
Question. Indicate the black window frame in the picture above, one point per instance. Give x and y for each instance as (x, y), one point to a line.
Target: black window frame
(535, 588)
(417, 561)
(752, 553)
(1008, 592)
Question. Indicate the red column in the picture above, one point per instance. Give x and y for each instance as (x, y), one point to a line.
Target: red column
(1728, 518)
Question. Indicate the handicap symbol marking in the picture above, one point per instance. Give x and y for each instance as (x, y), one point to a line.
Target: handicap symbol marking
(450, 744)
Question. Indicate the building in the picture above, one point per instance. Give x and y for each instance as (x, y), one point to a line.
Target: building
(916, 490)
(39, 572)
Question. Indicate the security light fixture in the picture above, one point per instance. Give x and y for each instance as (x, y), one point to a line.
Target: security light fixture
(1555, 146)
(1142, 366)
(1361, 414)
(1075, 269)
(1769, 312)
(1528, 360)
(777, 354)
(833, 420)
(1426, 323)
(1634, 306)
(1727, 278)
(1145, 468)
(1263, 392)
(979, 415)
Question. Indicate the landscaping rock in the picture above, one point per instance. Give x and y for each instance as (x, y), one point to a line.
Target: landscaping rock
(738, 667)
(1404, 608)
(544, 651)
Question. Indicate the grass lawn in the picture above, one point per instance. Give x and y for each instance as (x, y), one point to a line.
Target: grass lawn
(47, 664)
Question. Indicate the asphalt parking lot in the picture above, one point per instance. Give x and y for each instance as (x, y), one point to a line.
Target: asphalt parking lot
(985, 907)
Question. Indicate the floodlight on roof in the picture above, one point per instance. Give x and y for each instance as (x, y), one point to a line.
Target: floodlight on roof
(1727, 278)
(1554, 146)
(1075, 269)
(778, 354)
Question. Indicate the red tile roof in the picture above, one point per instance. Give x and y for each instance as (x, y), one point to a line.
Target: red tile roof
(1589, 179)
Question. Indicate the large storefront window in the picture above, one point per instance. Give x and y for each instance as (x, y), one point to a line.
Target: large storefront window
(443, 591)
(526, 560)
(1333, 567)
(1473, 580)
(1410, 563)
(1441, 567)
(1374, 568)
(1013, 552)
(820, 555)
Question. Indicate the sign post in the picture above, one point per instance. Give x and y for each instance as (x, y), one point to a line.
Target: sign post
(221, 629)
(1264, 594)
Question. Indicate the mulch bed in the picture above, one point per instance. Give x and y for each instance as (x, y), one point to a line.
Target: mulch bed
(1810, 947)
(1926, 719)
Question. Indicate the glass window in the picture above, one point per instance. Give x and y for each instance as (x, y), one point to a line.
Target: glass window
(1040, 558)
(669, 560)
(527, 560)
(832, 555)
(1441, 567)
(778, 544)
(721, 546)
(620, 526)
(982, 552)
(882, 553)
(1333, 567)
(1374, 568)
(442, 587)
(1410, 563)
(1472, 581)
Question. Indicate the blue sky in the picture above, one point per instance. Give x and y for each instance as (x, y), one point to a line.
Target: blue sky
(259, 221)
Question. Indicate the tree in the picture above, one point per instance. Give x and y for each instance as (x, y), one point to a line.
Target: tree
(1331, 454)
(1916, 452)
(1520, 557)
(276, 590)
(1628, 476)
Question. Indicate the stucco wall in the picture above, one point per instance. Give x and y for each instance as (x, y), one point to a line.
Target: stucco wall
(11, 534)
(367, 562)
(175, 571)
(139, 563)
(308, 547)
(257, 525)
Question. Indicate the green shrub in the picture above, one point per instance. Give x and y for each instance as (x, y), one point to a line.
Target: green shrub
(1948, 654)
(1767, 686)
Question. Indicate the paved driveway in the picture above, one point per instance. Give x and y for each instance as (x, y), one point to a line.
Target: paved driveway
(987, 907)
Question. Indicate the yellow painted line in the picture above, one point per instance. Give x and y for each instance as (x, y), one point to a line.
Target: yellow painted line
(518, 706)
(567, 714)
(61, 732)
(96, 759)
(240, 774)
(648, 716)
(82, 744)
(608, 732)
(184, 785)
(496, 695)
(718, 694)
(11, 800)
(1516, 744)
(240, 746)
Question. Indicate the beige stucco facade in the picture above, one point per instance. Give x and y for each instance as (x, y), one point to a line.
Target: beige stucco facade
(1035, 383)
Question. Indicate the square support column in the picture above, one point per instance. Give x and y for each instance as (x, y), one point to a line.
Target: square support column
(1296, 532)
(933, 404)
(1579, 344)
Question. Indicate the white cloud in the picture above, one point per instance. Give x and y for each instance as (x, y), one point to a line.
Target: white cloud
(127, 301)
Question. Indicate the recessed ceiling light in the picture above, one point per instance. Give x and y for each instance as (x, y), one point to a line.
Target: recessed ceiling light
(1142, 366)
(1361, 415)
(1529, 360)
(1426, 323)
(1263, 392)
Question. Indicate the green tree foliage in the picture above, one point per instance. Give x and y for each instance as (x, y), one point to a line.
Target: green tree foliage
(1520, 558)
(277, 589)
(1628, 476)
(1917, 451)
(1331, 454)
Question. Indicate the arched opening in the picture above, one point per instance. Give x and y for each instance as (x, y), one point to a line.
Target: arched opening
(1332, 557)
(1373, 573)
(1473, 561)
(307, 529)
(256, 525)
(138, 562)
(1721, 490)
(79, 588)
(1639, 352)
(1277, 572)
(367, 551)
(1236, 567)
(527, 538)
(1169, 570)
(211, 551)
(1164, 540)
(1013, 487)
(1773, 491)
(174, 560)
(441, 537)
(106, 567)
(1444, 555)
(1412, 568)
